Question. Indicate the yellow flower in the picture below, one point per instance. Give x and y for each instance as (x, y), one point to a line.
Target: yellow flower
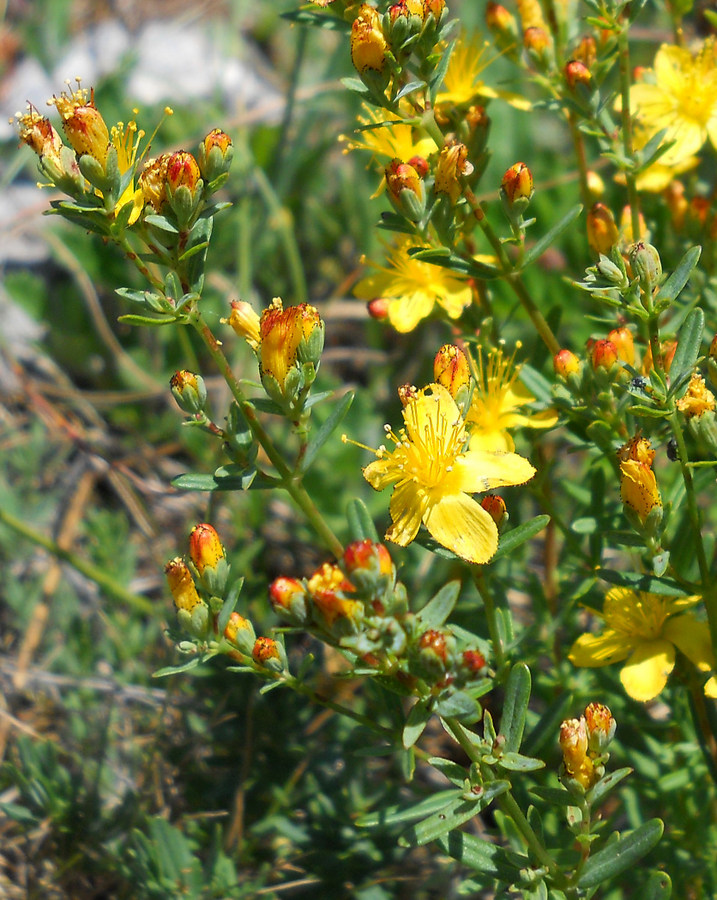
(497, 398)
(697, 399)
(413, 287)
(645, 629)
(657, 176)
(462, 82)
(683, 100)
(126, 142)
(433, 476)
(389, 138)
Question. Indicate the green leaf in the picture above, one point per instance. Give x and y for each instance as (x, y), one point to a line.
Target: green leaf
(151, 321)
(448, 260)
(647, 412)
(689, 341)
(516, 762)
(392, 815)
(515, 706)
(410, 88)
(355, 85)
(226, 478)
(481, 856)
(184, 667)
(621, 855)
(606, 784)
(417, 720)
(361, 527)
(197, 248)
(228, 605)
(554, 796)
(679, 278)
(324, 433)
(265, 405)
(162, 223)
(452, 816)
(658, 887)
(439, 72)
(542, 245)
(450, 770)
(439, 607)
(665, 587)
(512, 539)
(459, 705)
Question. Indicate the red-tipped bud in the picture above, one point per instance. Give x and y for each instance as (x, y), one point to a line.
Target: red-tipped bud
(473, 662)
(600, 726)
(240, 632)
(602, 229)
(624, 344)
(517, 183)
(420, 164)
(289, 600)
(182, 171)
(537, 43)
(378, 308)
(215, 155)
(586, 51)
(288, 338)
(84, 126)
(369, 567)
(565, 363)
(205, 548)
(495, 507)
(577, 73)
(192, 611)
(451, 369)
(603, 354)
(405, 189)
(269, 654)
(189, 391)
(574, 744)
(368, 42)
(499, 19)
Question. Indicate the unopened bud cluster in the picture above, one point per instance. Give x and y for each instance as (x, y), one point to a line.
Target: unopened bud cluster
(358, 605)
(584, 743)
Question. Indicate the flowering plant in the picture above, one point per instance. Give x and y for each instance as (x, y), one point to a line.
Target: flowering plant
(585, 406)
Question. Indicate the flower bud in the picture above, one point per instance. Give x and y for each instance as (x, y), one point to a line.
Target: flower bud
(624, 344)
(368, 43)
(192, 611)
(37, 132)
(369, 567)
(646, 265)
(697, 399)
(215, 155)
(245, 322)
(576, 74)
(420, 164)
(405, 189)
(182, 171)
(433, 8)
(291, 341)
(496, 508)
(603, 355)
(600, 727)
(451, 165)
(269, 654)
(152, 181)
(500, 20)
(209, 559)
(378, 308)
(289, 600)
(667, 353)
(517, 183)
(435, 654)
(83, 124)
(189, 391)
(538, 46)
(638, 489)
(473, 662)
(333, 611)
(602, 230)
(586, 51)
(574, 744)
(565, 363)
(240, 632)
(451, 369)
(531, 14)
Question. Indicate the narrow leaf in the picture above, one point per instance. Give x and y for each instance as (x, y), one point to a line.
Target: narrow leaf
(198, 481)
(392, 815)
(439, 607)
(666, 587)
(228, 605)
(151, 321)
(621, 855)
(417, 720)
(516, 762)
(679, 278)
(512, 539)
(361, 527)
(481, 856)
(542, 245)
(459, 705)
(184, 667)
(515, 706)
(324, 433)
(606, 784)
(439, 71)
(453, 815)
(689, 341)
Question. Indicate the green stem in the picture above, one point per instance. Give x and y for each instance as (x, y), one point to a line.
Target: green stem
(99, 576)
(627, 145)
(491, 616)
(289, 480)
(339, 708)
(513, 278)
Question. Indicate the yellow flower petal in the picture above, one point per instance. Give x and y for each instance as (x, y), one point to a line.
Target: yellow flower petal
(407, 508)
(478, 470)
(405, 312)
(645, 673)
(380, 473)
(691, 638)
(710, 688)
(595, 650)
(460, 523)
